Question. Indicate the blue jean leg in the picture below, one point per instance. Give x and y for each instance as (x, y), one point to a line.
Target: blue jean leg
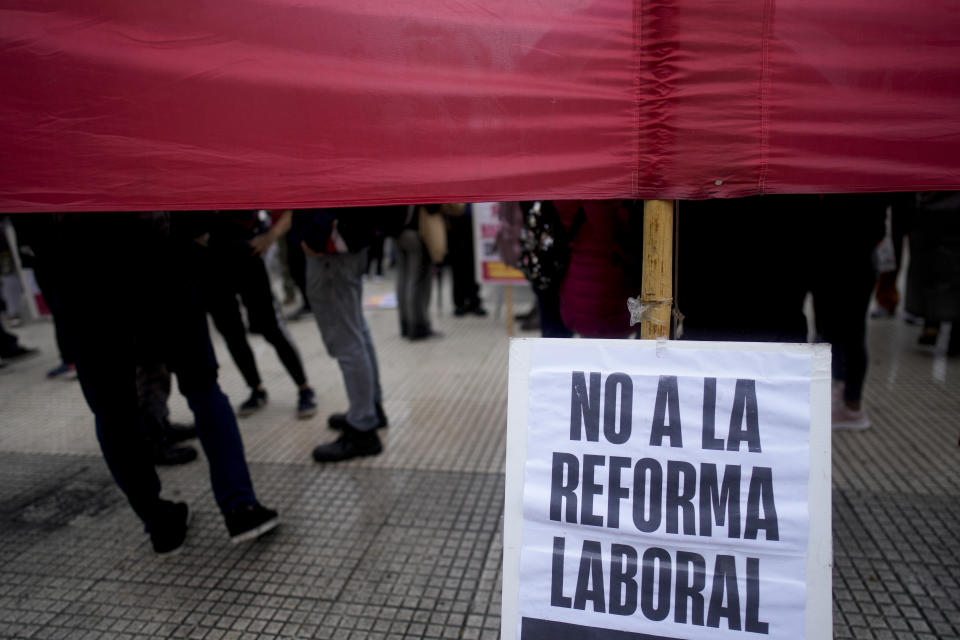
(334, 287)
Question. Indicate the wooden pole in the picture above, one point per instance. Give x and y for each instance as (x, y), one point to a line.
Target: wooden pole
(656, 290)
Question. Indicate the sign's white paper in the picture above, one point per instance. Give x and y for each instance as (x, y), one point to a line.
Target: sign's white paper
(665, 493)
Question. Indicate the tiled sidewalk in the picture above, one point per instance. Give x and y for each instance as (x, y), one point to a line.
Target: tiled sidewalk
(407, 544)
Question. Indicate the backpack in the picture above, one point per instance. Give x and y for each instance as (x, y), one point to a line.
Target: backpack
(545, 245)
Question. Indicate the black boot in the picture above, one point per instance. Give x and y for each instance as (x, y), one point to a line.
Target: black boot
(174, 433)
(168, 455)
(352, 443)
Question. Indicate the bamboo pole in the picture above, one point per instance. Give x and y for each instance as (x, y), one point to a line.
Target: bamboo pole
(656, 289)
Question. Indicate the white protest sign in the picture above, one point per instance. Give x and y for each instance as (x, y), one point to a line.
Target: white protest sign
(658, 491)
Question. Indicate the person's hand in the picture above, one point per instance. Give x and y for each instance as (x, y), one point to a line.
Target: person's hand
(262, 242)
(310, 252)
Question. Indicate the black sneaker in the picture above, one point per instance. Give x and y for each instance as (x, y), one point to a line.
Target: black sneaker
(250, 522)
(473, 306)
(63, 370)
(169, 530)
(352, 443)
(306, 404)
(256, 401)
(424, 334)
(174, 432)
(17, 352)
(168, 455)
(337, 421)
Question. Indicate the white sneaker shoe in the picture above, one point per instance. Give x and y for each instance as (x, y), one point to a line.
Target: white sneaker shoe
(846, 418)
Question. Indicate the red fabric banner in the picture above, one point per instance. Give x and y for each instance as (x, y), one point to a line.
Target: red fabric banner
(118, 105)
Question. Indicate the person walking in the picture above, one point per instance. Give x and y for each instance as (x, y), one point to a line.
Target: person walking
(233, 263)
(335, 242)
(136, 254)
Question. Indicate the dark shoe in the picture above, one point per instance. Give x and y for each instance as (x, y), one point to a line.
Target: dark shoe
(168, 455)
(351, 444)
(250, 521)
(424, 335)
(534, 311)
(256, 401)
(17, 352)
(179, 432)
(169, 531)
(337, 421)
(65, 370)
(306, 404)
(474, 306)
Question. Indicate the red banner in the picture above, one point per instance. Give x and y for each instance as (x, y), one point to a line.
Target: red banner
(119, 105)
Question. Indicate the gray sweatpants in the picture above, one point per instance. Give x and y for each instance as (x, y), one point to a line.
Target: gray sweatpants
(335, 291)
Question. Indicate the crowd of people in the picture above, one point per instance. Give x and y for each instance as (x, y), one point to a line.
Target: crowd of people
(745, 269)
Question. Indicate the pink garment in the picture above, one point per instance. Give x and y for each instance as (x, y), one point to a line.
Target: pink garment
(604, 268)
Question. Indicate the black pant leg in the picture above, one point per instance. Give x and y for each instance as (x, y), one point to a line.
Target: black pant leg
(264, 315)
(461, 256)
(297, 265)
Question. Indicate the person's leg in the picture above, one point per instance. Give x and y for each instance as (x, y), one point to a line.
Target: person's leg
(264, 317)
(225, 312)
(64, 344)
(551, 323)
(108, 382)
(334, 284)
(153, 392)
(372, 357)
(8, 342)
(192, 358)
(853, 337)
(376, 254)
(289, 286)
(465, 289)
(106, 355)
(422, 288)
(116, 249)
(47, 281)
(297, 266)
(408, 244)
